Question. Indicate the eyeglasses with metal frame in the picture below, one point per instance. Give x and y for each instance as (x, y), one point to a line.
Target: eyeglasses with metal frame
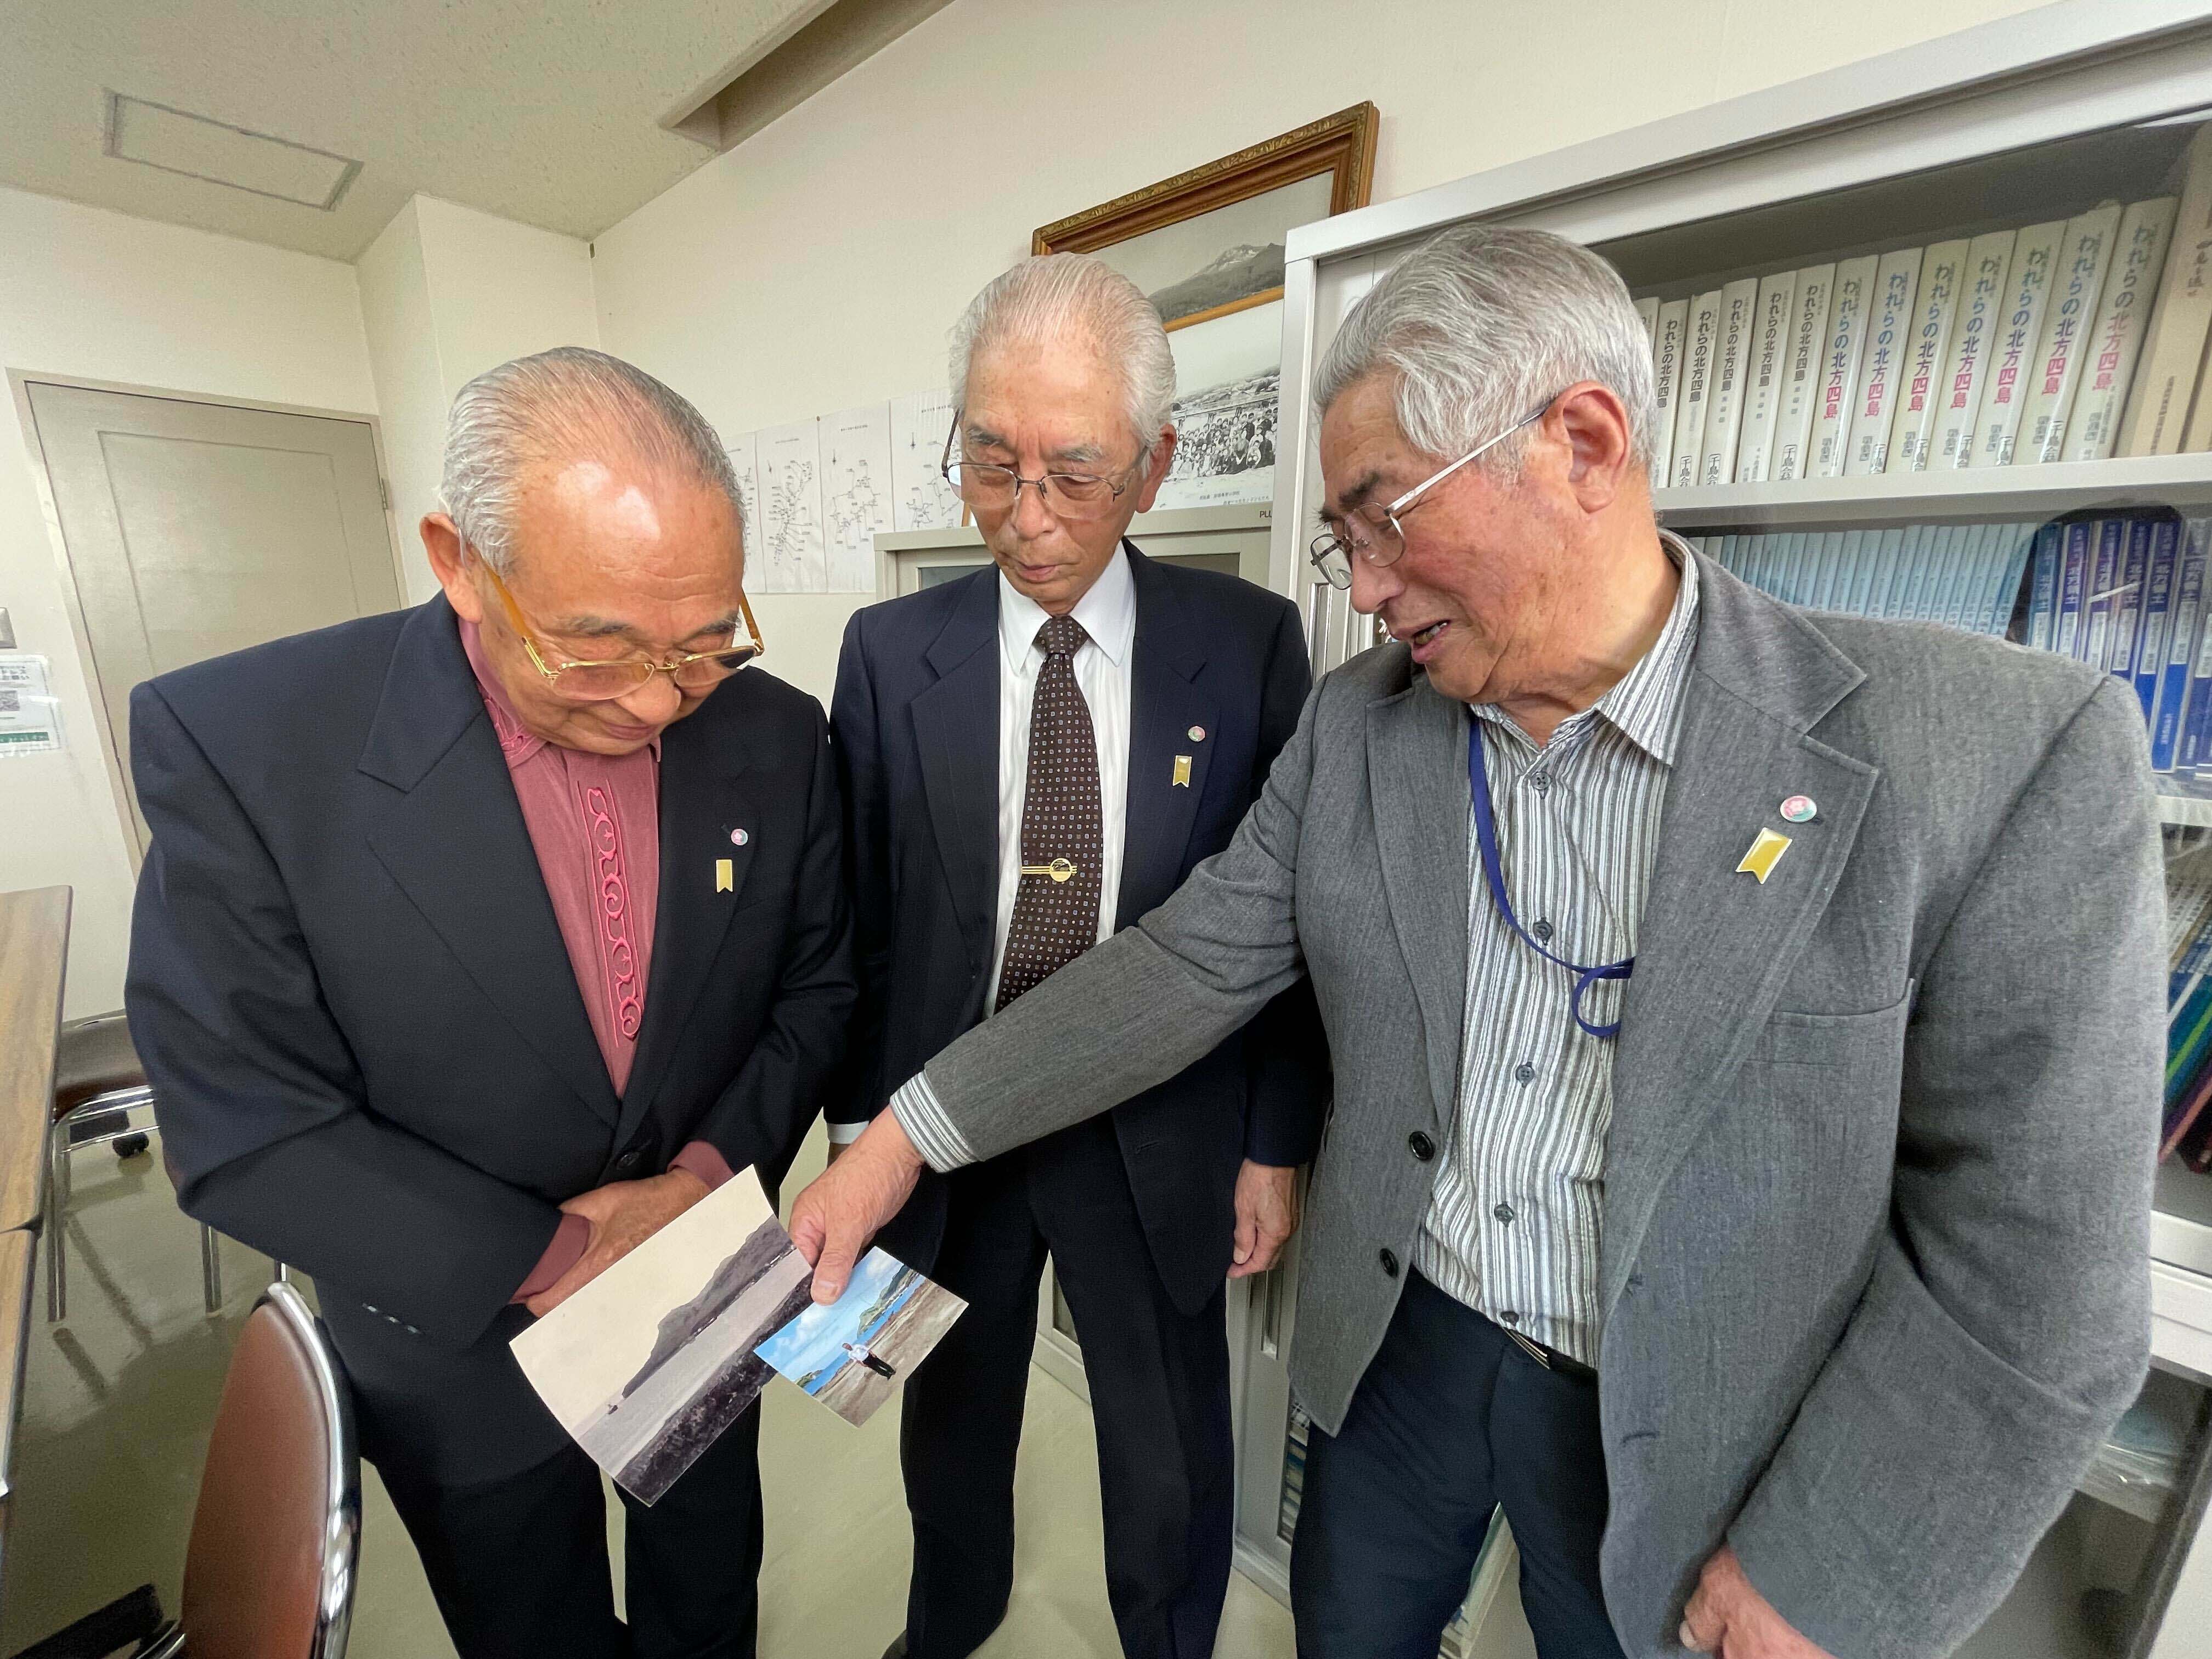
(600, 680)
(1384, 540)
(1074, 496)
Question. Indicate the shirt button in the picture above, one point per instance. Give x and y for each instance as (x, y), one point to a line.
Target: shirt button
(1540, 781)
(1524, 1072)
(1510, 1317)
(1503, 1212)
(1389, 1260)
(1542, 930)
(1424, 1148)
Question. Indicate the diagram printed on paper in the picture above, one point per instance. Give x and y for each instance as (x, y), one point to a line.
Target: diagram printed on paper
(744, 455)
(920, 498)
(790, 543)
(856, 494)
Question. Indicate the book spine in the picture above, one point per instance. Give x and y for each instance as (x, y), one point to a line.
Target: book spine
(1951, 443)
(1971, 597)
(2019, 541)
(2096, 638)
(1920, 583)
(1647, 312)
(1724, 385)
(1841, 555)
(2056, 368)
(2073, 587)
(1801, 379)
(2157, 614)
(2115, 341)
(2167, 722)
(2196, 748)
(1945, 603)
(1862, 574)
(2128, 602)
(1666, 386)
(1772, 313)
(2043, 597)
(1889, 338)
(2157, 420)
(2035, 250)
(1703, 336)
(1841, 353)
(1888, 552)
(1914, 538)
(1927, 349)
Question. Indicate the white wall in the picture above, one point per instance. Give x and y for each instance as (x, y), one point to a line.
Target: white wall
(447, 293)
(98, 295)
(819, 265)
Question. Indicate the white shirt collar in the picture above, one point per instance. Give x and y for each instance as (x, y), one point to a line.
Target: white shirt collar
(1107, 613)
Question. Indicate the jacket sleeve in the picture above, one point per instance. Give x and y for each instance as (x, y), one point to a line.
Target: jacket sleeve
(1137, 1009)
(856, 737)
(1285, 1049)
(261, 1109)
(2006, 1324)
(799, 1051)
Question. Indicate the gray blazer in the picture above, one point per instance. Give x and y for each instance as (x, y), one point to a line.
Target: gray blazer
(1874, 1262)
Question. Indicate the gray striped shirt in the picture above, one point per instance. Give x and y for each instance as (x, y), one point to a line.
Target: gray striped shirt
(1512, 1228)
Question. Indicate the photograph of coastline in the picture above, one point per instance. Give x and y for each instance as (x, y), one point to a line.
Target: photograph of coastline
(649, 1363)
(851, 1354)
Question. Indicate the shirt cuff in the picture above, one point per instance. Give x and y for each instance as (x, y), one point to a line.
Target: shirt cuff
(933, 1133)
(844, 1134)
(699, 1157)
(567, 1248)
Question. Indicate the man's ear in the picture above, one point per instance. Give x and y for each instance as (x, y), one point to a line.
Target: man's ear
(1593, 423)
(1156, 474)
(441, 540)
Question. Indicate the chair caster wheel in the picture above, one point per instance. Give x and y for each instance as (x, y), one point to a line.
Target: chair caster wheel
(130, 1145)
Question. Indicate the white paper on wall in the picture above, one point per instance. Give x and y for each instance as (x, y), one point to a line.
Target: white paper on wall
(920, 498)
(856, 493)
(744, 462)
(791, 554)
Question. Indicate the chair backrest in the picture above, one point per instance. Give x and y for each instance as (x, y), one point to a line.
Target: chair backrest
(270, 1572)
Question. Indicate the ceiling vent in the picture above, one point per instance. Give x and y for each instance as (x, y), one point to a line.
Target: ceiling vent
(196, 146)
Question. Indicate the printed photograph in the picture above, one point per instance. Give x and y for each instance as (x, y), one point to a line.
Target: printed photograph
(1226, 408)
(851, 1354)
(648, 1364)
(1213, 264)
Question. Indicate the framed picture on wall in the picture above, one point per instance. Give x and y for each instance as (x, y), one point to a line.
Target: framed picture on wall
(1207, 247)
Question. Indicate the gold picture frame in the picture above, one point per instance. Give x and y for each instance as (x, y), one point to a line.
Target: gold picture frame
(1287, 168)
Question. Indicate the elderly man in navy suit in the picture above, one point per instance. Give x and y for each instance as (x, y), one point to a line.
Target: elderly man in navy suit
(1035, 756)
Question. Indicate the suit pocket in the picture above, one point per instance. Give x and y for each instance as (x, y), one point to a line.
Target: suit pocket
(1844, 1042)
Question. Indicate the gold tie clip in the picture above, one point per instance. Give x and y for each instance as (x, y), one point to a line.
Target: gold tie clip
(1058, 869)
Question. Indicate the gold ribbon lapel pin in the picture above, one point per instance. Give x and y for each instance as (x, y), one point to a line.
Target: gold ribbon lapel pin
(1182, 772)
(725, 879)
(1766, 853)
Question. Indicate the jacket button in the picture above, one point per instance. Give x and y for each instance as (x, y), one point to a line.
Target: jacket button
(1424, 1148)
(628, 1162)
(1389, 1260)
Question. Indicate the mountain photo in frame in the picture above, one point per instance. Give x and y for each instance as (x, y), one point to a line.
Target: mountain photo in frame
(1206, 248)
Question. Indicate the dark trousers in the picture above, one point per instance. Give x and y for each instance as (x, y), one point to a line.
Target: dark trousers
(520, 1566)
(1452, 1420)
(1159, 1401)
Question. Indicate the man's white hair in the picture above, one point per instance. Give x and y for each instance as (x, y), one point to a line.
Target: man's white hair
(552, 407)
(1479, 326)
(1063, 296)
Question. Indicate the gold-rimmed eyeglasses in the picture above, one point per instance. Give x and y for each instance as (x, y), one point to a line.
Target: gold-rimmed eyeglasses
(1374, 534)
(590, 680)
(1073, 496)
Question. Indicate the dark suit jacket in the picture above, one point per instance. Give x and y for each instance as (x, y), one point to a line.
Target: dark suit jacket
(368, 1052)
(916, 721)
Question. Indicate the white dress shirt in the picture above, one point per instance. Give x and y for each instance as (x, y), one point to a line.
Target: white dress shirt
(1108, 615)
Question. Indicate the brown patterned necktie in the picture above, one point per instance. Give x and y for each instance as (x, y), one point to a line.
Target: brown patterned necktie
(1056, 908)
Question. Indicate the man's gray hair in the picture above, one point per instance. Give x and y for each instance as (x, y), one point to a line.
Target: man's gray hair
(1056, 296)
(553, 407)
(1479, 325)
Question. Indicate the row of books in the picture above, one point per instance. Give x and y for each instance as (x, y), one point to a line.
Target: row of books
(1966, 575)
(2185, 1132)
(2075, 339)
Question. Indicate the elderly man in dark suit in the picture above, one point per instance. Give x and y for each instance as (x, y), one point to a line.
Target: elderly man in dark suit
(478, 941)
(1034, 756)
(1747, 1029)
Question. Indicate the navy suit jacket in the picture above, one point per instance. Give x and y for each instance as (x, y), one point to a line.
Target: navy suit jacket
(916, 720)
(368, 1052)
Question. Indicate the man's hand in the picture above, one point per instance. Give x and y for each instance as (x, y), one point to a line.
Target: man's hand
(1266, 1216)
(868, 1184)
(623, 1214)
(1730, 1617)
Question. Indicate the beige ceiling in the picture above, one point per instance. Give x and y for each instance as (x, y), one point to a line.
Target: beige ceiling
(545, 111)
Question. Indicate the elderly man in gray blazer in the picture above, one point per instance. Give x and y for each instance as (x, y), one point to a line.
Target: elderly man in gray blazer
(1746, 1025)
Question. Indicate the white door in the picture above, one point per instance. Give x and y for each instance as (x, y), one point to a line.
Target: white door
(195, 529)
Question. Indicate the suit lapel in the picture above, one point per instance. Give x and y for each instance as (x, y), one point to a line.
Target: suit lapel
(1168, 700)
(956, 728)
(1715, 946)
(454, 842)
(1417, 779)
(705, 795)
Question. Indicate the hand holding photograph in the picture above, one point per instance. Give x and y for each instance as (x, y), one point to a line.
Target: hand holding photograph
(850, 1354)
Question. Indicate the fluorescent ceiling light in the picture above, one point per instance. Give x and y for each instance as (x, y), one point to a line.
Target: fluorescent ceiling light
(156, 136)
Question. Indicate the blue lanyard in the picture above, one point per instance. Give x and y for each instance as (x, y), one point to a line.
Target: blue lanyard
(1486, 831)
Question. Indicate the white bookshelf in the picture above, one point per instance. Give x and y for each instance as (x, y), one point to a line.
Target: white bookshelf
(2031, 118)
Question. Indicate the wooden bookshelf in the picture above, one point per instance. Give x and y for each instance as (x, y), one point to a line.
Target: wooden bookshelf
(2041, 492)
